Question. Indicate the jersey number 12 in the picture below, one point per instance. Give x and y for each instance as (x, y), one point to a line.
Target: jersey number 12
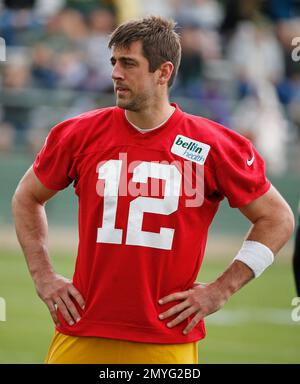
(111, 173)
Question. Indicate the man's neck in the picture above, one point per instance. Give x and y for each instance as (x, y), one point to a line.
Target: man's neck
(151, 117)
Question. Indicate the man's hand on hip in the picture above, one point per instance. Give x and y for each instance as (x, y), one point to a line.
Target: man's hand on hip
(201, 300)
(56, 291)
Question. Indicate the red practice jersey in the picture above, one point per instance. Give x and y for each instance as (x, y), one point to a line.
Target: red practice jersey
(146, 201)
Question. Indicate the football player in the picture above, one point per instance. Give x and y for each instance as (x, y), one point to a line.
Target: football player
(142, 233)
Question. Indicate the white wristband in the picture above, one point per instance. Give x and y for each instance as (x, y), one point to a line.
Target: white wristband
(256, 255)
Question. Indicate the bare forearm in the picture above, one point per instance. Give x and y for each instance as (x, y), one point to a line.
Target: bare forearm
(32, 231)
(272, 232)
(233, 278)
(272, 218)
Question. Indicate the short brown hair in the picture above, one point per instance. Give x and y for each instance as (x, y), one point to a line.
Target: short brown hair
(159, 40)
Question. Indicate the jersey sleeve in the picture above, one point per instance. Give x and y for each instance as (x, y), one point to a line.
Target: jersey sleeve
(53, 164)
(240, 171)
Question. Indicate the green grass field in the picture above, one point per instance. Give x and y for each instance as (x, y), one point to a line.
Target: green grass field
(254, 327)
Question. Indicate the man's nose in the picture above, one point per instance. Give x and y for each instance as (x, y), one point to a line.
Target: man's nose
(117, 72)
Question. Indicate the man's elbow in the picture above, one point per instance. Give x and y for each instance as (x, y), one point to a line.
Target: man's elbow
(15, 201)
(20, 199)
(287, 222)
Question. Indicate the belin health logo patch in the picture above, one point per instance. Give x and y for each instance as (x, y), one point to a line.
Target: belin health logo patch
(190, 149)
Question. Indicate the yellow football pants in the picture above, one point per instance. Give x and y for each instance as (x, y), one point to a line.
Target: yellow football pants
(66, 349)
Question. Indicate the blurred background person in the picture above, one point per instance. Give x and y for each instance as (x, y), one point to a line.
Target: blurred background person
(15, 115)
(102, 22)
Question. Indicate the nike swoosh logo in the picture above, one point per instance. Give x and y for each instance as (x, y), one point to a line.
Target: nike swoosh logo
(250, 162)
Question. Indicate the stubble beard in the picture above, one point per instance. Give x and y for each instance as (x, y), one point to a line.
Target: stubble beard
(136, 104)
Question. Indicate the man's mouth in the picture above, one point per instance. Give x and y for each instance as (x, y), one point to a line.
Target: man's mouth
(121, 89)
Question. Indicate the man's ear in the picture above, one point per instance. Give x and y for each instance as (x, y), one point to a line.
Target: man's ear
(165, 72)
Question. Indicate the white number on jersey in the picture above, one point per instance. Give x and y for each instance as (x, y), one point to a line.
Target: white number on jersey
(111, 173)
